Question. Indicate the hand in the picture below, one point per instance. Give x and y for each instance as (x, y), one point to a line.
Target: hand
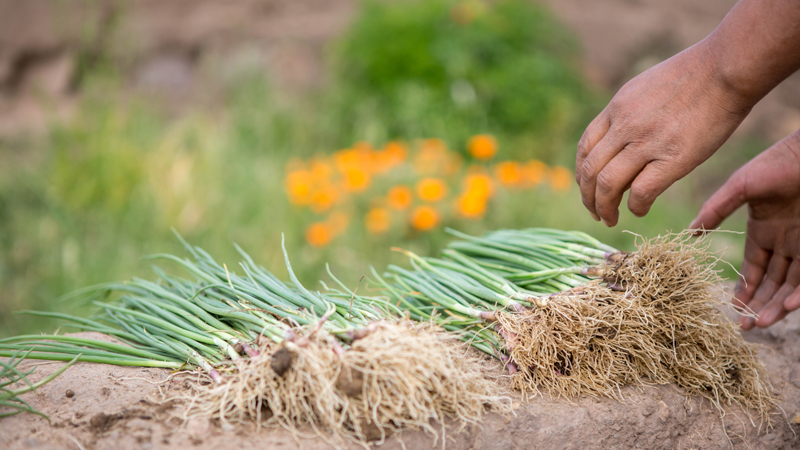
(770, 273)
(658, 128)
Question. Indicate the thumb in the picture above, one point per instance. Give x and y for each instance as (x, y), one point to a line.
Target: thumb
(721, 205)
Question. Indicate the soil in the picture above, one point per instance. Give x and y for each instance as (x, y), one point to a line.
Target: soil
(94, 406)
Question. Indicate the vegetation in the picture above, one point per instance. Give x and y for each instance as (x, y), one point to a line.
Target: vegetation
(84, 204)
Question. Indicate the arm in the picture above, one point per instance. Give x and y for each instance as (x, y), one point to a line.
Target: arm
(674, 116)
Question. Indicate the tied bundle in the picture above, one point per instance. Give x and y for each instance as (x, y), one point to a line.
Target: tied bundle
(276, 353)
(571, 316)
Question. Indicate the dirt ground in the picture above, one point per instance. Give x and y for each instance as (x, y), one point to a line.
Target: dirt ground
(111, 407)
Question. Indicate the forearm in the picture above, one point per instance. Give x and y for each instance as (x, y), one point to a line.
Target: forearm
(756, 47)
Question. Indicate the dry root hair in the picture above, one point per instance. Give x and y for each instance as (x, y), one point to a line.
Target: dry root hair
(400, 375)
(658, 323)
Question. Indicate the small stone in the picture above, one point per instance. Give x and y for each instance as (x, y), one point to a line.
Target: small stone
(663, 411)
(794, 375)
(769, 437)
(227, 427)
(70, 393)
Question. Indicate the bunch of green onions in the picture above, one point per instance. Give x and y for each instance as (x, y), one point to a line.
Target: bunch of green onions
(214, 318)
(10, 375)
(206, 322)
(506, 269)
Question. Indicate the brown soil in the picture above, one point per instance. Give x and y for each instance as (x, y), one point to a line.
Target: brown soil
(113, 407)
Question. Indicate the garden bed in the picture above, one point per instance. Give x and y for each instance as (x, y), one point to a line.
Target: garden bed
(100, 406)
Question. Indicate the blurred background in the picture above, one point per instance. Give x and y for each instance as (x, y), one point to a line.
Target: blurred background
(350, 126)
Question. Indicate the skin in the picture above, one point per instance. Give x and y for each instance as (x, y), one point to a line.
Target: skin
(670, 119)
(770, 273)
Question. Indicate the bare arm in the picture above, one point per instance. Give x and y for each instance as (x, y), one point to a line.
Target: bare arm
(671, 118)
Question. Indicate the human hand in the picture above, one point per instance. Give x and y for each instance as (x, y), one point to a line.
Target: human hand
(770, 273)
(658, 128)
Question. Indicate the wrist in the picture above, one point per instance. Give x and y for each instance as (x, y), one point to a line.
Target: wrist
(726, 78)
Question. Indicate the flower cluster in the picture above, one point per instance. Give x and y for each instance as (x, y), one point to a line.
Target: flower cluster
(408, 187)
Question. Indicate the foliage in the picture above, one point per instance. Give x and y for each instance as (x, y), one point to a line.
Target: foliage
(85, 204)
(504, 67)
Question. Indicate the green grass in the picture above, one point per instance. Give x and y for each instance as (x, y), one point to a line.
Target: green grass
(86, 203)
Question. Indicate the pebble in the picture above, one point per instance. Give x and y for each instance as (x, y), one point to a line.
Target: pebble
(663, 411)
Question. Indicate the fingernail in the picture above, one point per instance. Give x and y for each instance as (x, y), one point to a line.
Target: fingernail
(747, 323)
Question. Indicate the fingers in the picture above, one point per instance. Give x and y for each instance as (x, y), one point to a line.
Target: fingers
(775, 276)
(751, 273)
(593, 164)
(613, 181)
(651, 182)
(593, 134)
(722, 204)
(775, 309)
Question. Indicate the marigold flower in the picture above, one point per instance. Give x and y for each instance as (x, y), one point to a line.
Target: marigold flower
(479, 184)
(508, 173)
(323, 198)
(482, 146)
(320, 169)
(424, 218)
(347, 159)
(396, 152)
(432, 156)
(471, 205)
(318, 234)
(377, 220)
(534, 172)
(356, 179)
(561, 179)
(299, 186)
(431, 189)
(399, 197)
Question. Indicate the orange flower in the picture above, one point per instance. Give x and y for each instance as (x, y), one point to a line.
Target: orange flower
(482, 146)
(508, 173)
(318, 234)
(399, 197)
(337, 222)
(479, 184)
(323, 198)
(377, 220)
(471, 205)
(320, 169)
(356, 179)
(396, 152)
(534, 172)
(432, 156)
(424, 218)
(431, 189)
(561, 178)
(299, 184)
(347, 159)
